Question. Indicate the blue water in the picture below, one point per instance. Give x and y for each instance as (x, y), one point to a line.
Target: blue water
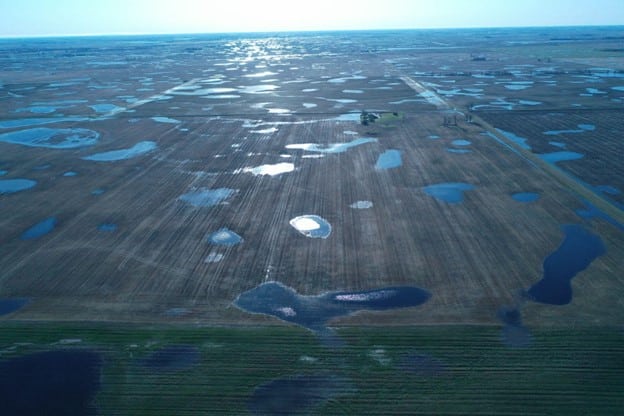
(172, 358)
(458, 151)
(525, 197)
(3, 172)
(52, 138)
(312, 312)
(389, 159)
(98, 191)
(529, 102)
(521, 141)
(591, 212)
(380, 299)
(311, 226)
(107, 227)
(296, 395)
(9, 186)
(40, 229)
(37, 110)
(560, 145)
(514, 334)
(8, 306)
(608, 189)
(27, 122)
(562, 156)
(452, 192)
(138, 149)
(461, 142)
(578, 250)
(70, 173)
(225, 237)
(581, 129)
(105, 108)
(50, 383)
(166, 120)
(207, 197)
(332, 147)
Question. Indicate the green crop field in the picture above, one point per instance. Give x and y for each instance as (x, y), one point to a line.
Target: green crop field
(454, 369)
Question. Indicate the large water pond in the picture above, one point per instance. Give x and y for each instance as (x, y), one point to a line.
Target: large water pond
(50, 383)
(8, 306)
(40, 229)
(577, 251)
(313, 312)
(10, 186)
(451, 192)
(52, 138)
(138, 149)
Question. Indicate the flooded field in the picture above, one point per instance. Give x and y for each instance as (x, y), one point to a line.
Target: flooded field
(350, 183)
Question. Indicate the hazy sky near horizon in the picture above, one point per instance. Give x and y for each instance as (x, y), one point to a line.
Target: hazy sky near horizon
(89, 17)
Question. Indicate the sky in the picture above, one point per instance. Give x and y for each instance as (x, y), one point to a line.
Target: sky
(96, 17)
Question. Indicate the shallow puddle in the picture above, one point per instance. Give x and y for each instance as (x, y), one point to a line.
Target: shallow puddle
(332, 147)
(582, 128)
(105, 108)
(514, 334)
(299, 394)
(9, 186)
(390, 159)
(107, 227)
(172, 358)
(577, 251)
(348, 117)
(39, 230)
(452, 192)
(52, 138)
(525, 197)
(562, 156)
(166, 120)
(422, 365)
(311, 226)
(138, 149)
(207, 197)
(28, 122)
(361, 205)
(271, 170)
(225, 237)
(520, 141)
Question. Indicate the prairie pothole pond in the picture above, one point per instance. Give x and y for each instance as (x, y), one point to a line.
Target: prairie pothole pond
(577, 251)
(311, 226)
(313, 312)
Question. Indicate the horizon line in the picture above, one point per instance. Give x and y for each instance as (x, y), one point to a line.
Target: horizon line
(287, 31)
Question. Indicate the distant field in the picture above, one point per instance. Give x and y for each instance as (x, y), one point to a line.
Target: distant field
(147, 184)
